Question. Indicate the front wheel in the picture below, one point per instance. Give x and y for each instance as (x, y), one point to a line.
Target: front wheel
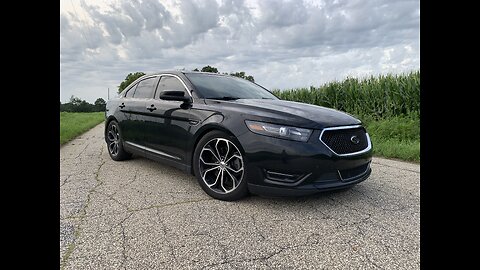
(219, 166)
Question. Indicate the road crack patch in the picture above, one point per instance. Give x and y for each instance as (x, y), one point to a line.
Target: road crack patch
(124, 242)
(169, 204)
(82, 216)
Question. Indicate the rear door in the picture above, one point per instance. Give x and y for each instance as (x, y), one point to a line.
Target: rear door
(137, 110)
(125, 117)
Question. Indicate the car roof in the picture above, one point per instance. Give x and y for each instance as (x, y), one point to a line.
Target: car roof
(177, 72)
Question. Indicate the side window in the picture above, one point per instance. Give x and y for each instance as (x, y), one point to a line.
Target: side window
(131, 91)
(169, 83)
(145, 88)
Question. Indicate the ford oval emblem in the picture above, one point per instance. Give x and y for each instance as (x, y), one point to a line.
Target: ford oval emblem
(354, 139)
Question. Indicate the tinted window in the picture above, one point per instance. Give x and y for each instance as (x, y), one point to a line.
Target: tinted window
(169, 83)
(145, 88)
(218, 87)
(131, 91)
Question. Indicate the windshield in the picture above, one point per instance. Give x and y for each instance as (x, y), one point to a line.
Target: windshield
(226, 87)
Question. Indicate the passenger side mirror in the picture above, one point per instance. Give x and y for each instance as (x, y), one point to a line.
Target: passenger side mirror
(175, 95)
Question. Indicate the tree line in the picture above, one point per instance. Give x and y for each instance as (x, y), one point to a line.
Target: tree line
(131, 77)
(79, 105)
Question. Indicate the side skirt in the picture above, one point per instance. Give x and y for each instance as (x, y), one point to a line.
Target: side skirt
(151, 155)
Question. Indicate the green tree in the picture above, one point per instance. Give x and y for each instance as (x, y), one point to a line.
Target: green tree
(84, 106)
(75, 101)
(250, 78)
(209, 69)
(242, 75)
(100, 105)
(129, 79)
(79, 105)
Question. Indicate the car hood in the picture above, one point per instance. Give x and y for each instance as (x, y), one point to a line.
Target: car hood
(287, 112)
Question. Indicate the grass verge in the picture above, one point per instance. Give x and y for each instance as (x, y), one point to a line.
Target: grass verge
(395, 137)
(75, 124)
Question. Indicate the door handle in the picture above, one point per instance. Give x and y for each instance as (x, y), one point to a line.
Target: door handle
(151, 108)
(122, 106)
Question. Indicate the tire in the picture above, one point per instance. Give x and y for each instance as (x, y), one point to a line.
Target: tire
(219, 165)
(114, 140)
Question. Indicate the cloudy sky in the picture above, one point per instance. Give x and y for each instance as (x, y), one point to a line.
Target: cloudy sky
(283, 44)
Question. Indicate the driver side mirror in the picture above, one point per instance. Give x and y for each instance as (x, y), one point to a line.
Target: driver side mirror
(175, 95)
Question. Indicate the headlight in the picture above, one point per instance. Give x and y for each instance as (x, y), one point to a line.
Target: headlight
(284, 132)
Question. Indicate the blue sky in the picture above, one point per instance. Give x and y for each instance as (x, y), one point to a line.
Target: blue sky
(283, 44)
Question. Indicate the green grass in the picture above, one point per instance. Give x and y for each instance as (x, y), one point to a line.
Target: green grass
(75, 124)
(388, 105)
(395, 137)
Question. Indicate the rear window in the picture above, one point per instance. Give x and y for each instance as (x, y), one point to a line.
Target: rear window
(145, 88)
(131, 91)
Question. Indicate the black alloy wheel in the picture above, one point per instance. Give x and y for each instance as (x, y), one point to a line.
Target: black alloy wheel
(115, 142)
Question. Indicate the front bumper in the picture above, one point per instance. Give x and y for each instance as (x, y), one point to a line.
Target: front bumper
(279, 167)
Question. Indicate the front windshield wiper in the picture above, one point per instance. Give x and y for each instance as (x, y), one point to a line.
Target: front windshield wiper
(224, 98)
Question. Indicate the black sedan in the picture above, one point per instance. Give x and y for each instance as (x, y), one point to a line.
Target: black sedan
(235, 136)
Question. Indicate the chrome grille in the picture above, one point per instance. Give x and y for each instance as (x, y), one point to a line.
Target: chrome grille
(346, 140)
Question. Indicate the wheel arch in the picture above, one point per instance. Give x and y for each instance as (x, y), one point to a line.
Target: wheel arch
(200, 134)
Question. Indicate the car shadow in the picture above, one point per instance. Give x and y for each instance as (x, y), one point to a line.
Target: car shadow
(353, 193)
(321, 196)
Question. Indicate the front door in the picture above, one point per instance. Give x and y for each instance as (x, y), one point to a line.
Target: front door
(167, 127)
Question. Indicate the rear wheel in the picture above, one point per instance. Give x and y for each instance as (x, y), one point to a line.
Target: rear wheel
(115, 142)
(219, 166)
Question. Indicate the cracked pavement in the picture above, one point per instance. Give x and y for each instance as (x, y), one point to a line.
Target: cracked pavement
(141, 214)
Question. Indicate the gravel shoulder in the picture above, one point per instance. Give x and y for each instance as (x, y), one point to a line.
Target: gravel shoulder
(141, 214)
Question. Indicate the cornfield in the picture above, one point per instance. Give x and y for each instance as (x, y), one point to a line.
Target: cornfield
(378, 97)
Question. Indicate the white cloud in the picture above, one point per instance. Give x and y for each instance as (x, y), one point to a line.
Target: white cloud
(281, 43)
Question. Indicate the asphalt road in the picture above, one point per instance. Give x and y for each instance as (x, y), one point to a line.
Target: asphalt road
(140, 214)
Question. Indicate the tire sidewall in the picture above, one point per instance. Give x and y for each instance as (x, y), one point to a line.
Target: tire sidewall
(241, 190)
